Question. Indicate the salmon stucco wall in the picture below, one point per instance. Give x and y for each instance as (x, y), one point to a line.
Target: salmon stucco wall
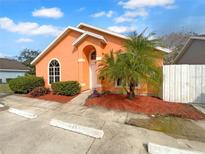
(67, 56)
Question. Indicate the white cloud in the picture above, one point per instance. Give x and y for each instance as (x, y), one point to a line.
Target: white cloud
(109, 13)
(129, 16)
(24, 40)
(133, 4)
(171, 7)
(3, 55)
(48, 12)
(133, 14)
(98, 14)
(122, 29)
(81, 9)
(28, 28)
(103, 13)
(122, 19)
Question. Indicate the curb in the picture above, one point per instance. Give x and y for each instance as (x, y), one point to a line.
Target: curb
(92, 132)
(23, 113)
(161, 149)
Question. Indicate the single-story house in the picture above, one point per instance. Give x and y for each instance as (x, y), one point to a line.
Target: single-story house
(10, 69)
(76, 53)
(193, 52)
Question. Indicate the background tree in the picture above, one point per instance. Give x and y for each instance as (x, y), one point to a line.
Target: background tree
(26, 57)
(136, 64)
(175, 41)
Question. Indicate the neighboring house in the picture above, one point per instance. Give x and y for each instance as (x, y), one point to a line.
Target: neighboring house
(193, 52)
(184, 80)
(76, 53)
(10, 69)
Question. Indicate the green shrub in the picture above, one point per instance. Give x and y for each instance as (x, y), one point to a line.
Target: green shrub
(39, 91)
(68, 88)
(24, 85)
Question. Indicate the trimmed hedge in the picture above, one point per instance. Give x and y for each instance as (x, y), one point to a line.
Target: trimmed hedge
(25, 84)
(39, 91)
(68, 88)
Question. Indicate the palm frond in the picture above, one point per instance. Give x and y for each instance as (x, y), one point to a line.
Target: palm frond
(137, 63)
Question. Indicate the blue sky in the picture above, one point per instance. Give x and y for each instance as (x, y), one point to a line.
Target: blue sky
(35, 23)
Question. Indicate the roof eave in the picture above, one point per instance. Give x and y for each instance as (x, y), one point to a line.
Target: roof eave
(102, 30)
(166, 50)
(14, 70)
(86, 34)
(54, 42)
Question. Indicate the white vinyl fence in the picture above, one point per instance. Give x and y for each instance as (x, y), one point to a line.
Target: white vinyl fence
(184, 83)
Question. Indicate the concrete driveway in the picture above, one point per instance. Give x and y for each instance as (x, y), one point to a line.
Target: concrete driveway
(20, 135)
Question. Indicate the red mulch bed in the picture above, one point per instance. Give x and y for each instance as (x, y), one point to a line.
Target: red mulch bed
(146, 105)
(53, 97)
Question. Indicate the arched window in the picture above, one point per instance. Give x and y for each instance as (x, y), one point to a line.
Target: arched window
(54, 71)
(93, 55)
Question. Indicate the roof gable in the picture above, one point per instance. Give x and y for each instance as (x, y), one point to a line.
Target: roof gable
(186, 46)
(102, 30)
(55, 41)
(86, 34)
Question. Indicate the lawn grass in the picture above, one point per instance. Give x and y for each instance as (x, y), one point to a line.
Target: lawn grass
(172, 126)
(4, 88)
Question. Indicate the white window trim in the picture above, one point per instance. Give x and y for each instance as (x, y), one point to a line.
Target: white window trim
(116, 86)
(48, 69)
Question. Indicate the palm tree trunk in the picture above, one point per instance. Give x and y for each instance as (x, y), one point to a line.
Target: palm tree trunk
(131, 93)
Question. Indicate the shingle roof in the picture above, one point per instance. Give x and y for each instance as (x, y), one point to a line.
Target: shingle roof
(11, 64)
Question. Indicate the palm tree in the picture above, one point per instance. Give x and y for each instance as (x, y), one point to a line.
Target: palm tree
(136, 64)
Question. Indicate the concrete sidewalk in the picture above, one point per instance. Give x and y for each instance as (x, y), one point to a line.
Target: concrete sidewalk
(22, 136)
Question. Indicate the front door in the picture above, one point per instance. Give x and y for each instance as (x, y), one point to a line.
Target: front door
(93, 76)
